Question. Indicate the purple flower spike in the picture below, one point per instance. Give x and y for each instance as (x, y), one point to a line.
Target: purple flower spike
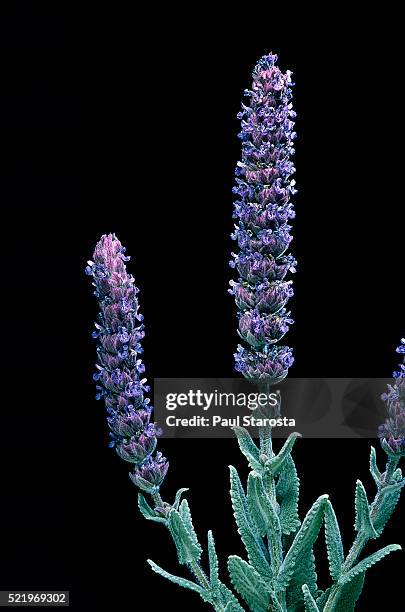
(262, 212)
(392, 432)
(120, 382)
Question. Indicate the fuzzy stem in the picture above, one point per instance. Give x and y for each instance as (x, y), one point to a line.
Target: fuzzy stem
(266, 447)
(204, 582)
(274, 544)
(391, 467)
(157, 499)
(199, 574)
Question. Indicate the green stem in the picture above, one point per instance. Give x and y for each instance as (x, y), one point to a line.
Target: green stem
(274, 544)
(266, 447)
(204, 582)
(391, 467)
(199, 574)
(158, 500)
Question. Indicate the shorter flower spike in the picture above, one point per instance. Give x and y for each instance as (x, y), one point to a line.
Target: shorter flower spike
(119, 370)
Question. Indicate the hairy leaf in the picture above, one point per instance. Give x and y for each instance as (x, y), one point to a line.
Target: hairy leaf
(390, 495)
(275, 604)
(363, 520)
(213, 560)
(185, 514)
(248, 448)
(260, 507)
(178, 498)
(303, 541)
(257, 553)
(375, 472)
(368, 562)
(275, 464)
(231, 607)
(310, 604)
(249, 584)
(304, 573)
(187, 584)
(322, 599)
(147, 511)
(348, 595)
(333, 539)
(229, 599)
(287, 493)
(187, 548)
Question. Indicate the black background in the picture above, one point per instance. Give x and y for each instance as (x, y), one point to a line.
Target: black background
(111, 123)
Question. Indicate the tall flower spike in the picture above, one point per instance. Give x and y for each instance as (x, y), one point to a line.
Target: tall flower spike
(262, 211)
(392, 432)
(119, 369)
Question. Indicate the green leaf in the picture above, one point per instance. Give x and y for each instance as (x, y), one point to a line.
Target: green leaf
(287, 493)
(248, 448)
(249, 584)
(304, 573)
(213, 561)
(229, 599)
(185, 514)
(367, 563)
(375, 472)
(348, 595)
(275, 464)
(363, 522)
(333, 539)
(188, 549)
(322, 598)
(187, 584)
(276, 606)
(303, 541)
(260, 507)
(147, 511)
(257, 553)
(178, 498)
(310, 604)
(389, 496)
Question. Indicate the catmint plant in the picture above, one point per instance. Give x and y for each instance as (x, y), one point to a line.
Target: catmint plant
(279, 572)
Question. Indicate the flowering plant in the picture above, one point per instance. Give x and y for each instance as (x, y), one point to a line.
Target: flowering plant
(279, 574)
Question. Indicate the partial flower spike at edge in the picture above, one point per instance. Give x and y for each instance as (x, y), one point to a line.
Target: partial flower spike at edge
(278, 573)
